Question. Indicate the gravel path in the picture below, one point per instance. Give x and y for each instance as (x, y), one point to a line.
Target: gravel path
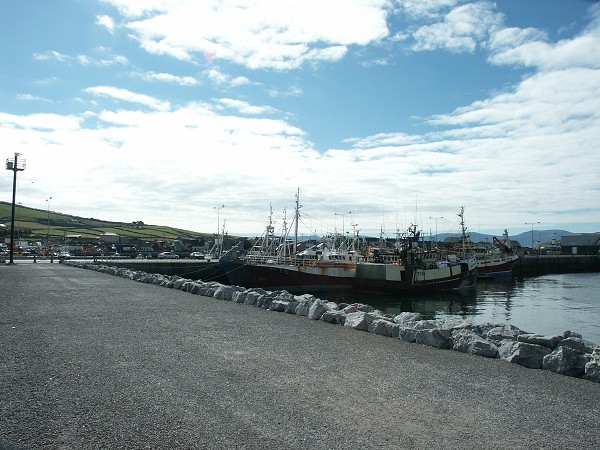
(89, 360)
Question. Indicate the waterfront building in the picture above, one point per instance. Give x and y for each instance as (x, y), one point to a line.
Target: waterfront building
(581, 244)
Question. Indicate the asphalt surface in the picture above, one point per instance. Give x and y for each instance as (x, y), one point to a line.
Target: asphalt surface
(89, 360)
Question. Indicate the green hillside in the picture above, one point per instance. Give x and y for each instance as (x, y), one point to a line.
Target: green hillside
(35, 225)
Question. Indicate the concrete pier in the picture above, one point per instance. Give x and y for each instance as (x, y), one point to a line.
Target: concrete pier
(93, 360)
(533, 265)
(186, 268)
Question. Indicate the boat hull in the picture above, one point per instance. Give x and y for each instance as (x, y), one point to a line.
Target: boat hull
(236, 272)
(317, 277)
(301, 279)
(501, 267)
(390, 278)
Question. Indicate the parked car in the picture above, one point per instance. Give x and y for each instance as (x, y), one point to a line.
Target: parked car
(64, 255)
(197, 255)
(168, 255)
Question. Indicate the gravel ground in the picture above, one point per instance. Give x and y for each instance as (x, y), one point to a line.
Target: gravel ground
(89, 360)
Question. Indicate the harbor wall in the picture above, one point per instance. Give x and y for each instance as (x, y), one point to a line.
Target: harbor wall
(531, 265)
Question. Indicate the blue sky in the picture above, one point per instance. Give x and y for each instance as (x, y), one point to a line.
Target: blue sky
(383, 113)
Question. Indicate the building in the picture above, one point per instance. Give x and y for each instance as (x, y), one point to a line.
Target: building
(109, 238)
(581, 244)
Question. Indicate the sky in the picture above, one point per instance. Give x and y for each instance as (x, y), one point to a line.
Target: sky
(204, 115)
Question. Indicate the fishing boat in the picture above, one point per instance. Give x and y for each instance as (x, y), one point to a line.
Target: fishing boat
(335, 263)
(233, 264)
(410, 266)
(234, 269)
(493, 260)
(282, 263)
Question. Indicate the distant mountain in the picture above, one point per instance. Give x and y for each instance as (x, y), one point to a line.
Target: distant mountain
(524, 238)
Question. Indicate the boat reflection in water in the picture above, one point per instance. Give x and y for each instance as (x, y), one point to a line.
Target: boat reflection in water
(548, 304)
(432, 305)
(461, 303)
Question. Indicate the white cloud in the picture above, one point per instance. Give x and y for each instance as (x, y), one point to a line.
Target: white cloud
(84, 60)
(244, 107)
(291, 91)
(169, 78)
(41, 121)
(510, 157)
(375, 62)
(30, 97)
(384, 139)
(128, 96)
(278, 34)
(530, 48)
(221, 79)
(51, 54)
(202, 154)
(549, 102)
(419, 9)
(461, 30)
(139, 8)
(107, 22)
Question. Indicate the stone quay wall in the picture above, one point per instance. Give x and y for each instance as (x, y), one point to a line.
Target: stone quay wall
(567, 354)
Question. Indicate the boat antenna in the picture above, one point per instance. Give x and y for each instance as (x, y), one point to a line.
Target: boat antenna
(285, 232)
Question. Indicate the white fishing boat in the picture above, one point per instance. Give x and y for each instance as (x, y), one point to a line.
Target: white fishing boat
(493, 260)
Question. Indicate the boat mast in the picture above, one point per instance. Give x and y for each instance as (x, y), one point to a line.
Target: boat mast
(463, 231)
(221, 239)
(283, 239)
(269, 241)
(296, 218)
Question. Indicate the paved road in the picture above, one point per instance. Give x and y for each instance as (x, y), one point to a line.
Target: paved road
(89, 360)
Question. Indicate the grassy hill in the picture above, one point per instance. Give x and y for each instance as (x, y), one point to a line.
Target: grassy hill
(35, 225)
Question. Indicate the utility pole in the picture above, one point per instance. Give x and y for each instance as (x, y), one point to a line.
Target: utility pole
(16, 166)
(48, 223)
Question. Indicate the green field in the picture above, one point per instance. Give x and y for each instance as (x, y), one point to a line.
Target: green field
(36, 224)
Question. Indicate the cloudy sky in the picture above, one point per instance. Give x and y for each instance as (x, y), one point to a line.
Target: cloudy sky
(383, 113)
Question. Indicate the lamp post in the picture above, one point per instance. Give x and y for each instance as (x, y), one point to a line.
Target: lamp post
(532, 224)
(16, 166)
(436, 219)
(219, 243)
(343, 224)
(48, 222)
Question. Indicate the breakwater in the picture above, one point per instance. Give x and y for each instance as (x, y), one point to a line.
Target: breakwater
(567, 354)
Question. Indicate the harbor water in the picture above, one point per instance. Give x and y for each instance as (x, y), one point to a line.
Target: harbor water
(548, 304)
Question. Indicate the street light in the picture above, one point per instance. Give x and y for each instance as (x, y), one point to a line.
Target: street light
(532, 224)
(343, 224)
(48, 236)
(436, 219)
(16, 166)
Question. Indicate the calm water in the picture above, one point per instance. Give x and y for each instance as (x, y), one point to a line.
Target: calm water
(547, 304)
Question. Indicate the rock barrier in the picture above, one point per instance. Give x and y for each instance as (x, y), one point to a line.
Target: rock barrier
(567, 354)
